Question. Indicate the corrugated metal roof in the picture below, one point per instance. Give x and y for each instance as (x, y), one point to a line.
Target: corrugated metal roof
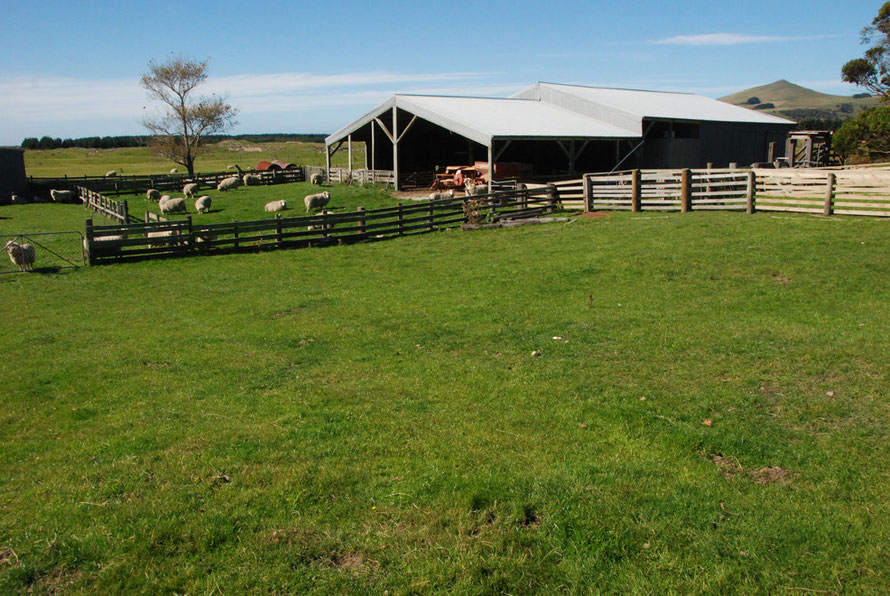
(654, 104)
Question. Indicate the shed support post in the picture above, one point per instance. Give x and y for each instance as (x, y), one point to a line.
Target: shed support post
(395, 148)
(491, 166)
(349, 151)
(327, 163)
(373, 150)
(636, 190)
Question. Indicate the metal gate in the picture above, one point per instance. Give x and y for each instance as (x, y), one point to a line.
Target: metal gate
(54, 250)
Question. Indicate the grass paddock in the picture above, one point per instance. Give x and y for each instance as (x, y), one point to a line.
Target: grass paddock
(365, 418)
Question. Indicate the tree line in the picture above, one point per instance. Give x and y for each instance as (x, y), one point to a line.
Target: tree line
(47, 142)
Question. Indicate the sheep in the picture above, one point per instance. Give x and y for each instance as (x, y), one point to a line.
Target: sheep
(316, 179)
(190, 189)
(111, 173)
(15, 199)
(318, 226)
(476, 189)
(276, 206)
(173, 205)
(251, 180)
(153, 194)
(62, 196)
(205, 237)
(173, 170)
(22, 255)
(316, 201)
(228, 183)
(436, 196)
(173, 234)
(203, 204)
(163, 200)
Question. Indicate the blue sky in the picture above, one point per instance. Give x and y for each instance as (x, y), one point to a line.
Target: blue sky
(71, 68)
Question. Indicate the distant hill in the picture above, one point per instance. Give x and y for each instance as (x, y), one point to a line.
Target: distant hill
(788, 100)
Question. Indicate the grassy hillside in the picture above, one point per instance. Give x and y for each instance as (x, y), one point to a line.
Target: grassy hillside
(796, 102)
(708, 413)
(140, 160)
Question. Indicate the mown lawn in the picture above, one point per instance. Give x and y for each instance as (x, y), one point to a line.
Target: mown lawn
(371, 417)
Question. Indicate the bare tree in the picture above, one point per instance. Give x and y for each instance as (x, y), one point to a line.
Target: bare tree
(180, 130)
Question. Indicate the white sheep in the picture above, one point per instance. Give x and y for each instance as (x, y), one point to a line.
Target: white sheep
(228, 183)
(111, 173)
(22, 255)
(437, 196)
(17, 200)
(476, 189)
(172, 234)
(316, 179)
(190, 189)
(173, 170)
(251, 180)
(203, 204)
(163, 200)
(62, 196)
(153, 194)
(316, 201)
(276, 206)
(173, 205)
(328, 226)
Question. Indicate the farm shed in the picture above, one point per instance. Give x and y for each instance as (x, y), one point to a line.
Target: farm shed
(561, 129)
(12, 173)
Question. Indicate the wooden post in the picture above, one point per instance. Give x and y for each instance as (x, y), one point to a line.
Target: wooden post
(373, 147)
(401, 218)
(191, 233)
(235, 234)
(829, 194)
(349, 150)
(361, 222)
(327, 163)
(126, 213)
(88, 238)
(395, 148)
(749, 192)
(771, 152)
(685, 190)
(431, 215)
(278, 230)
(552, 197)
(636, 190)
(588, 194)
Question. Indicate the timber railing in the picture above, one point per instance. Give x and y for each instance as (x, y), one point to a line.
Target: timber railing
(360, 176)
(117, 185)
(815, 191)
(107, 243)
(103, 205)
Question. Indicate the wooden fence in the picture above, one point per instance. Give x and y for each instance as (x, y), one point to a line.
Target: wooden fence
(117, 185)
(101, 204)
(346, 176)
(825, 192)
(187, 237)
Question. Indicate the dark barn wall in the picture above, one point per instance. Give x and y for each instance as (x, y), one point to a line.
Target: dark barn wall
(12, 173)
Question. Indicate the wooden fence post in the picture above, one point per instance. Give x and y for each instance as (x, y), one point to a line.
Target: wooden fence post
(829, 194)
(636, 190)
(401, 220)
(431, 215)
(324, 224)
(278, 230)
(88, 240)
(749, 192)
(685, 190)
(126, 213)
(552, 197)
(588, 194)
(235, 234)
(361, 222)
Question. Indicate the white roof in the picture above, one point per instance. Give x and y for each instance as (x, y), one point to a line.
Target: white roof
(549, 110)
(646, 104)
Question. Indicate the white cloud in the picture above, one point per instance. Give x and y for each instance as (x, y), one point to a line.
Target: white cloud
(722, 39)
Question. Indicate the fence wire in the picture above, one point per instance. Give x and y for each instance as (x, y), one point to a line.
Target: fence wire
(53, 250)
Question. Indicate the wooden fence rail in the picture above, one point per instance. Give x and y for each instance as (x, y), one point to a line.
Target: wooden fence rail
(823, 192)
(117, 185)
(101, 204)
(186, 237)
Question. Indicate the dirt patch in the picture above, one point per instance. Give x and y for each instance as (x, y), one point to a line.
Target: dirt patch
(354, 561)
(779, 279)
(770, 475)
(727, 466)
(595, 214)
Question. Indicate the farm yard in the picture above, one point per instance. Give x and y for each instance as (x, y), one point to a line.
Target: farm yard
(639, 402)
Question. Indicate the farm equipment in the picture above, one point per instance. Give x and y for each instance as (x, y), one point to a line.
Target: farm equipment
(458, 176)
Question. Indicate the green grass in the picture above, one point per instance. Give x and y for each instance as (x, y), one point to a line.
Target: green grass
(140, 160)
(370, 417)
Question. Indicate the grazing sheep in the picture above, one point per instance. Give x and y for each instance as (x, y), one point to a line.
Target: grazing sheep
(476, 189)
(173, 171)
(316, 201)
(63, 196)
(111, 173)
(173, 205)
(205, 237)
(228, 183)
(163, 200)
(437, 196)
(174, 235)
(189, 190)
(153, 194)
(316, 179)
(276, 206)
(203, 204)
(22, 255)
(251, 180)
(327, 226)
